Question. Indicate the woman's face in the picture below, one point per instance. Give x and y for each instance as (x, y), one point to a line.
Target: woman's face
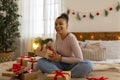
(61, 25)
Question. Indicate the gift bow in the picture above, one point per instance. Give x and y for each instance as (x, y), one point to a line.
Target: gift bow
(101, 78)
(59, 73)
(15, 68)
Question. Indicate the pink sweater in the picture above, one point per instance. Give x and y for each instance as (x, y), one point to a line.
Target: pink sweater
(69, 49)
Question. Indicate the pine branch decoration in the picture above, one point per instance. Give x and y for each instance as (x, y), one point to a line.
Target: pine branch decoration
(78, 16)
(42, 41)
(68, 11)
(91, 16)
(106, 12)
(118, 7)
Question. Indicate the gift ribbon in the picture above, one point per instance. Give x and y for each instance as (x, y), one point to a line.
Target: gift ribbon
(101, 78)
(53, 52)
(21, 59)
(15, 68)
(49, 47)
(59, 73)
(41, 48)
(16, 71)
(32, 63)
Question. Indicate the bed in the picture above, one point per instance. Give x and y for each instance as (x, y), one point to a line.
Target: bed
(82, 36)
(106, 62)
(107, 67)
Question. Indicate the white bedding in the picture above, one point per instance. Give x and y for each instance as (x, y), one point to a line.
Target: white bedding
(108, 61)
(112, 48)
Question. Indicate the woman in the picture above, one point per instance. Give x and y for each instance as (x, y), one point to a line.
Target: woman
(68, 52)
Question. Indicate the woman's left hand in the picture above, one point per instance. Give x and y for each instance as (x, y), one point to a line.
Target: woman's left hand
(55, 58)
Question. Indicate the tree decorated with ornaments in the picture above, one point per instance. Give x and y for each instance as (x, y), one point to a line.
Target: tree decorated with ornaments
(9, 25)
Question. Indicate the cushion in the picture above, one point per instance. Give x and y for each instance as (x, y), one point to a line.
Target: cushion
(94, 52)
(94, 45)
(82, 44)
(112, 48)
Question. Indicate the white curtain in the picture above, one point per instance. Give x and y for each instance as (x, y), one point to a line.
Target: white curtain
(37, 19)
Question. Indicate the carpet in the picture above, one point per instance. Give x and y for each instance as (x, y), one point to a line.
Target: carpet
(110, 71)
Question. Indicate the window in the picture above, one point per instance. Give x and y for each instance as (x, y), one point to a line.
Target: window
(46, 12)
(37, 19)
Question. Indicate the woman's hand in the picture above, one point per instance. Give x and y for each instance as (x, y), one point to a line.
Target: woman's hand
(55, 58)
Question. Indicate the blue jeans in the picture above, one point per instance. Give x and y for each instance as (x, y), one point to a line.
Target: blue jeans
(79, 70)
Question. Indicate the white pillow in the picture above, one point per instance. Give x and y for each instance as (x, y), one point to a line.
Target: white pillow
(112, 48)
(82, 44)
(95, 54)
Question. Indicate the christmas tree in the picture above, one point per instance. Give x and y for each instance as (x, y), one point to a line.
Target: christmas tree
(9, 25)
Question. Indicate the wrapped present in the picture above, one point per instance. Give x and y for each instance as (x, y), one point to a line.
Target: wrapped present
(44, 51)
(14, 71)
(101, 78)
(23, 60)
(16, 66)
(31, 54)
(47, 53)
(37, 58)
(29, 76)
(17, 69)
(32, 64)
(8, 73)
(59, 75)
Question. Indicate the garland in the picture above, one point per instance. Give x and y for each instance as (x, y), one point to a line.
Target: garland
(79, 15)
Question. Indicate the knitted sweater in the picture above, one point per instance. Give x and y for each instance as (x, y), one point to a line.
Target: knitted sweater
(69, 49)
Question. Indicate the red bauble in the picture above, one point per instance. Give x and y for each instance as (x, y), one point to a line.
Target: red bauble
(73, 13)
(110, 8)
(84, 16)
(97, 13)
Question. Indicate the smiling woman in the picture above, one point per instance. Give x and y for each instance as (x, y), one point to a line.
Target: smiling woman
(68, 55)
(37, 20)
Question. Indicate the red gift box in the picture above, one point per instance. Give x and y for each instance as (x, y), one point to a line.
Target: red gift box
(16, 66)
(14, 71)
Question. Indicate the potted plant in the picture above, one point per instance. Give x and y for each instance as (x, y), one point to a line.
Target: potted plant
(9, 28)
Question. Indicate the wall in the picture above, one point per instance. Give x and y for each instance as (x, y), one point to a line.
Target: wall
(100, 23)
